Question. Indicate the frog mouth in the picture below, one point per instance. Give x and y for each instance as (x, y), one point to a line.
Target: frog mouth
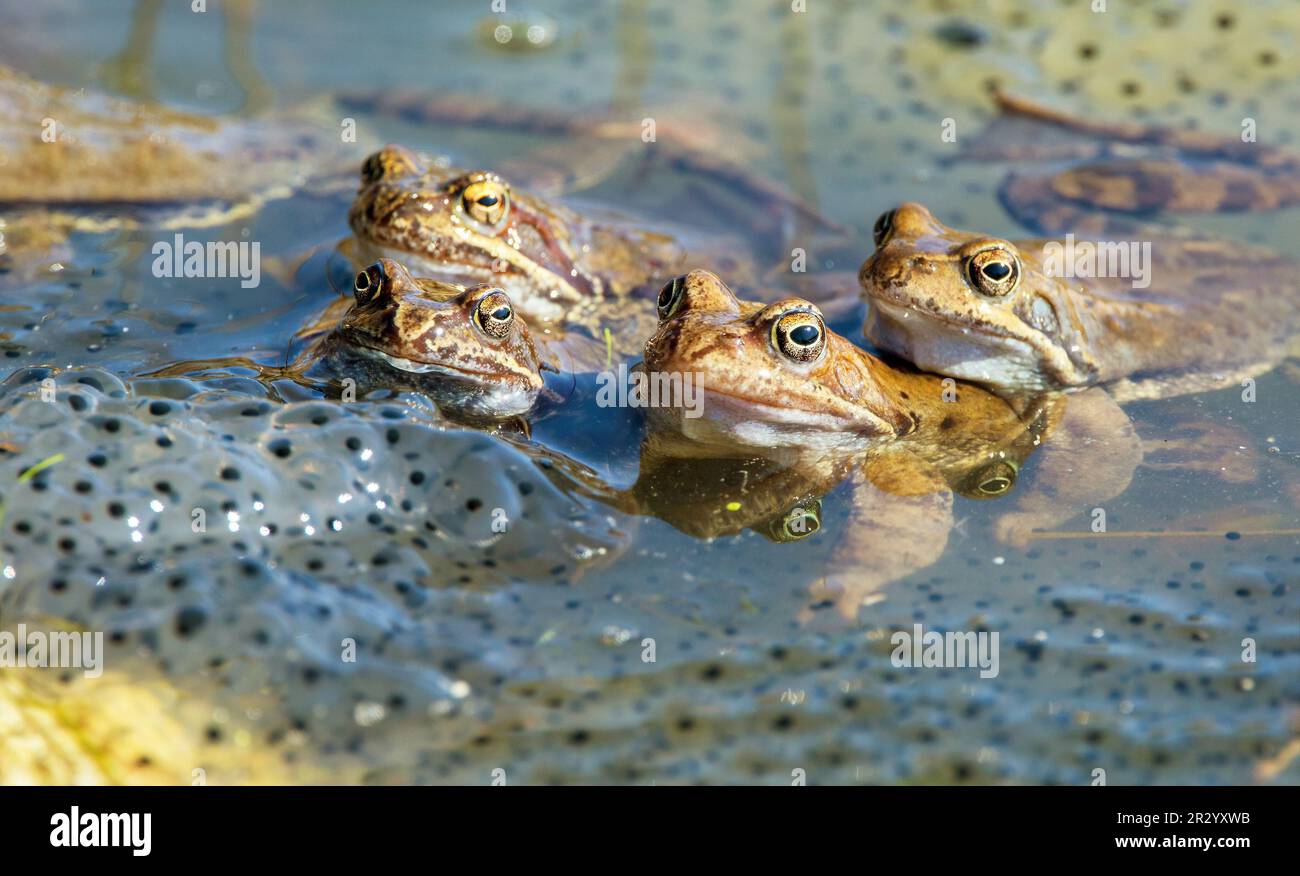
(955, 350)
(441, 368)
(787, 418)
(902, 314)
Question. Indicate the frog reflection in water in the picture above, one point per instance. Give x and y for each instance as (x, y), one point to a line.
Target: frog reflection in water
(791, 410)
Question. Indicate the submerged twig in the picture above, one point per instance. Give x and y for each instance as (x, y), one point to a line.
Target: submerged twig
(1157, 533)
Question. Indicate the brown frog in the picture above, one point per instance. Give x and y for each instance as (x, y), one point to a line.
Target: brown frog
(464, 344)
(1150, 311)
(464, 347)
(998, 312)
(1173, 312)
(785, 410)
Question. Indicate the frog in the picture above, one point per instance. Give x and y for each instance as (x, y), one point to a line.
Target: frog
(463, 347)
(465, 344)
(1204, 313)
(997, 311)
(708, 153)
(788, 410)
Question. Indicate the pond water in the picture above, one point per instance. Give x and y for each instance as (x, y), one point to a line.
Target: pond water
(351, 613)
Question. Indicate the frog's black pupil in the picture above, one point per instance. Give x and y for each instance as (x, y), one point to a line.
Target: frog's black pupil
(668, 293)
(501, 314)
(996, 485)
(488, 201)
(805, 335)
(997, 270)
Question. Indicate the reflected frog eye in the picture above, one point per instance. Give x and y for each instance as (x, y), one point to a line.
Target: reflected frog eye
(494, 314)
(884, 225)
(486, 200)
(991, 481)
(670, 298)
(799, 335)
(994, 272)
(367, 283)
(801, 523)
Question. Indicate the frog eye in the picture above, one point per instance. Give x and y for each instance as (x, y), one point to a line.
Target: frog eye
(799, 335)
(884, 225)
(670, 298)
(367, 283)
(801, 522)
(494, 314)
(486, 200)
(991, 481)
(994, 272)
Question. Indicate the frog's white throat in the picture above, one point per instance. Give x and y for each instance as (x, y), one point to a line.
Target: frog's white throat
(996, 361)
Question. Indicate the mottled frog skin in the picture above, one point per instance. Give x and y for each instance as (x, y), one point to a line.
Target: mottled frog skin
(566, 271)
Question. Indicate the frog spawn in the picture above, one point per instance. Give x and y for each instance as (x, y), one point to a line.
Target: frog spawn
(323, 526)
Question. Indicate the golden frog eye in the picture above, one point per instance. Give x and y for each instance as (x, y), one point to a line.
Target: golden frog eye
(486, 200)
(799, 335)
(994, 272)
(670, 298)
(367, 283)
(494, 314)
(884, 225)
